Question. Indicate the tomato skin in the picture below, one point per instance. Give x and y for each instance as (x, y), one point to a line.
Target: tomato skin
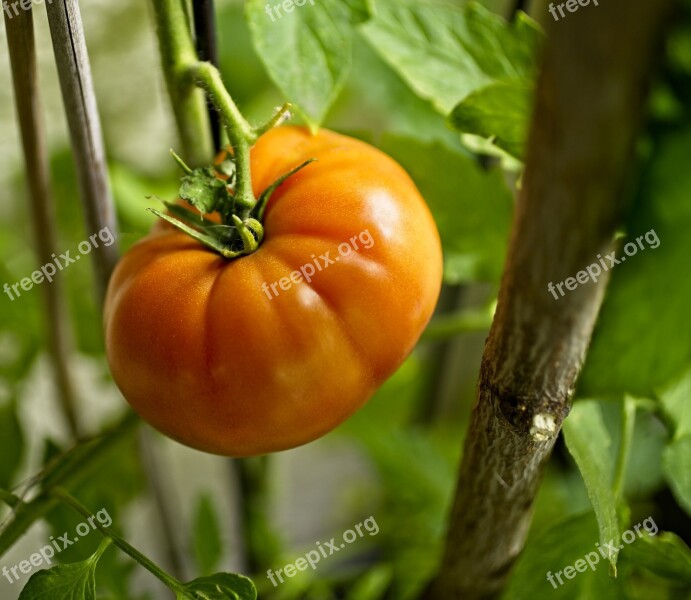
(200, 350)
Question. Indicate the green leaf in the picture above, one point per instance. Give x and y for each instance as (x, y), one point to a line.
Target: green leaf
(445, 52)
(372, 585)
(307, 52)
(627, 354)
(472, 207)
(556, 548)
(499, 111)
(589, 442)
(76, 581)
(675, 403)
(665, 554)
(221, 586)
(676, 464)
(95, 489)
(203, 190)
(416, 471)
(208, 546)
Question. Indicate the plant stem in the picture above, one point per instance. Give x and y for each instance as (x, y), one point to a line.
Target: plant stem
(282, 114)
(568, 210)
(120, 542)
(240, 133)
(25, 514)
(628, 423)
(252, 481)
(447, 326)
(177, 53)
(154, 470)
(9, 498)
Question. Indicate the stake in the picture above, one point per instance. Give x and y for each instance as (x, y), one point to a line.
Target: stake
(85, 130)
(22, 50)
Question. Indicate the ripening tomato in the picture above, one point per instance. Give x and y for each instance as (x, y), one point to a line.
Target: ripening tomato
(274, 349)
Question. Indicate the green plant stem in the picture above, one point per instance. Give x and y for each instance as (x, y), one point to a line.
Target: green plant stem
(447, 326)
(628, 422)
(282, 115)
(156, 472)
(120, 542)
(184, 73)
(9, 498)
(189, 106)
(88, 453)
(240, 133)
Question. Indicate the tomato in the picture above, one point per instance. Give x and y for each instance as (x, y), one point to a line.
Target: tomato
(243, 357)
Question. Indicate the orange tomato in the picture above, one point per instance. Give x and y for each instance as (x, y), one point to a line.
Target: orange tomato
(258, 354)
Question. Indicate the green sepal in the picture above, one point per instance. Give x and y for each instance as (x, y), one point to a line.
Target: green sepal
(260, 207)
(220, 238)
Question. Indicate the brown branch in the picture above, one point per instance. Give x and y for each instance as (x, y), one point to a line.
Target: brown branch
(590, 98)
(22, 51)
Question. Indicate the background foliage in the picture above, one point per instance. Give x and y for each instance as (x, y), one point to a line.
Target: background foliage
(432, 84)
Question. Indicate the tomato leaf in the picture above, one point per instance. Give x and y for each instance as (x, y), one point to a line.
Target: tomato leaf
(498, 111)
(307, 52)
(205, 191)
(76, 581)
(220, 586)
(446, 52)
(627, 354)
(665, 554)
(589, 442)
(675, 402)
(676, 465)
(373, 584)
(555, 548)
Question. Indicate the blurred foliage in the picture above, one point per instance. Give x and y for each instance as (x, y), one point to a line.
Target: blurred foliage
(410, 77)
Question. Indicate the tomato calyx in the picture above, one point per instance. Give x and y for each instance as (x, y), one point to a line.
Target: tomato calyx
(211, 190)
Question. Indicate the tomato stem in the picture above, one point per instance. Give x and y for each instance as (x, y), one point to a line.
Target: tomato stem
(241, 213)
(444, 327)
(177, 53)
(282, 115)
(170, 581)
(240, 133)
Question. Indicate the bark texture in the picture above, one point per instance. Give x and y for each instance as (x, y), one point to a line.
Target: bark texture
(591, 92)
